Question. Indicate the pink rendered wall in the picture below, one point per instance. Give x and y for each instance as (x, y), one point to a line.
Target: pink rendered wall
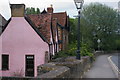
(20, 39)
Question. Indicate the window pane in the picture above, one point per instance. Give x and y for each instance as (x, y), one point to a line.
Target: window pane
(5, 62)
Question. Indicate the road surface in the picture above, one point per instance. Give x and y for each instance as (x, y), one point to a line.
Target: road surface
(116, 60)
(101, 68)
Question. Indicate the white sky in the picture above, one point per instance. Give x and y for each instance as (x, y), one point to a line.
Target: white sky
(58, 5)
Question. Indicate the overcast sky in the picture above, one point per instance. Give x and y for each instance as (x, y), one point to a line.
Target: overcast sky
(58, 5)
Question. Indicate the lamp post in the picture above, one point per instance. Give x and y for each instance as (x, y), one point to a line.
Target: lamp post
(79, 4)
(98, 44)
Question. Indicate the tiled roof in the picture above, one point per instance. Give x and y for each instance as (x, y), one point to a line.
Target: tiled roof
(43, 23)
(61, 18)
(46, 26)
(44, 12)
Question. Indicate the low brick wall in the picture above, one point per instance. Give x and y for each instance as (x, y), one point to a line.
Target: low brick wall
(68, 67)
(53, 71)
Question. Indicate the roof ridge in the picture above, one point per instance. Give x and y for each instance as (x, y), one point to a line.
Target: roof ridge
(35, 28)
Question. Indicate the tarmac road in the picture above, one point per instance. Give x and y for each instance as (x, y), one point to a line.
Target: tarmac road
(101, 68)
(116, 59)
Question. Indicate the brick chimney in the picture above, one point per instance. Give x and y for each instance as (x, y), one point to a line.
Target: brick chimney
(50, 9)
(17, 10)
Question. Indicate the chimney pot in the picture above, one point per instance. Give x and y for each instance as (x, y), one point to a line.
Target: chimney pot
(50, 9)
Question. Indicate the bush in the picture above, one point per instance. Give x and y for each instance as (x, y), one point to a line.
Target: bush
(60, 54)
(71, 51)
(85, 50)
(118, 44)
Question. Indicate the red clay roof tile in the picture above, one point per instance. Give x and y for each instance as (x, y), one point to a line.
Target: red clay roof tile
(43, 23)
(61, 17)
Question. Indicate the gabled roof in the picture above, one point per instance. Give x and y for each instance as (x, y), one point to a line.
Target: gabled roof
(43, 24)
(61, 18)
(46, 25)
(44, 12)
(31, 24)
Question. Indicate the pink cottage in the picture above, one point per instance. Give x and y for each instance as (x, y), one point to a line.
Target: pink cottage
(23, 47)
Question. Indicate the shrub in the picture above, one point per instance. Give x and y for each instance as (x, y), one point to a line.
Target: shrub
(85, 50)
(71, 51)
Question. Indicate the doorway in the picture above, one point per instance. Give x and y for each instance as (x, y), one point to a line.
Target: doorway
(29, 66)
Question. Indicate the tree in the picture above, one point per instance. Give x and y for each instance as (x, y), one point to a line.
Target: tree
(28, 11)
(99, 22)
(32, 10)
(38, 11)
(73, 34)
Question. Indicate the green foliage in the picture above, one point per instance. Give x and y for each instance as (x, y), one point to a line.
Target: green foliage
(60, 54)
(71, 51)
(85, 50)
(72, 48)
(38, 11)
(118, 42)
(72, 34)
(99, 22)
(32, 10)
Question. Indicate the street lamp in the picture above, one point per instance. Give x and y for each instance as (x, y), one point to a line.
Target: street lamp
(98, 44)
(79, 4)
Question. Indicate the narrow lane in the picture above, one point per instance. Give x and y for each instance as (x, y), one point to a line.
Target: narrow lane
(101, 69)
